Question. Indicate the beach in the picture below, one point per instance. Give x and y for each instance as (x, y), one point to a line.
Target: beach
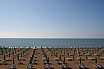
(41, 55)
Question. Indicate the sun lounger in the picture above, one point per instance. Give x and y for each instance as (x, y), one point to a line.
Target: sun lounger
(81, 58)
(59, 62)
(48, 67)
(80, 67)
(35, 62)
(99, 66)
(34, 59)
(8, 59)
(43, 59)
(23, 59)
(102, 58)
(30, 67)
(70, 54)
(1, 62)
(12, 67)
(91, 58)
(69, 59)
(6, 63)
(65, 67)
(20, 62)
(57, 59)
(84, 67)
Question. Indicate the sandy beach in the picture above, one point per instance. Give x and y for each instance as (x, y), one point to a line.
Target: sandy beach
(54, 57)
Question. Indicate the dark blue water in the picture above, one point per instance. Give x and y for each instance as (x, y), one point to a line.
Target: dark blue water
(22, 42)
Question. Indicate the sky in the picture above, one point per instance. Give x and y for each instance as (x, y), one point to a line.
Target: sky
(51, 18)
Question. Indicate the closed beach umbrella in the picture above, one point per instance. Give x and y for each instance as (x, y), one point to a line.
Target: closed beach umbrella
(48, 60)
(73, 56)
(6, 51)
(64, 59)
(2, 51)
(80, 60)
(95, 59)
(54, 52)
(86, 57)
(61, 51)
(13, 60)
(30, 60)
(99, 56)
(60, 57)
(87, 50)
(95, 50)
(9, 54)
(4, 56)
(79, 53)
(64, 51)
(68, 54)
(15, 51)
(21, 54)
(90, 52)
(18, 57)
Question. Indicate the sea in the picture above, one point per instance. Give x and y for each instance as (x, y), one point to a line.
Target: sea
(51, 42)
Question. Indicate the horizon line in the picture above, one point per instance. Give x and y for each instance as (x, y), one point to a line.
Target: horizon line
(56, 37)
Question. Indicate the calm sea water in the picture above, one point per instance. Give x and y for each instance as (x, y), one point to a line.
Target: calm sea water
(22, 42)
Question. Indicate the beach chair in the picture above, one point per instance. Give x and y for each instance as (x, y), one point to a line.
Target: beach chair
(65, 67)
(84, 67)
(79, 67)
(48, 67)
(69, 59)
(101, 66)
(6, 63)
(35, 62)
(59, 62)
(12, 67)
(30, 67)
(1, 63)
(8, 59)
(23, 59)
(20, 62)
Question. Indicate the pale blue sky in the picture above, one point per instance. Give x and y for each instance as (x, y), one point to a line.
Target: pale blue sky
(51, 18)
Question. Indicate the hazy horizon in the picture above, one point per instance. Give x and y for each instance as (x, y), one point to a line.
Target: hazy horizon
(52, 19)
